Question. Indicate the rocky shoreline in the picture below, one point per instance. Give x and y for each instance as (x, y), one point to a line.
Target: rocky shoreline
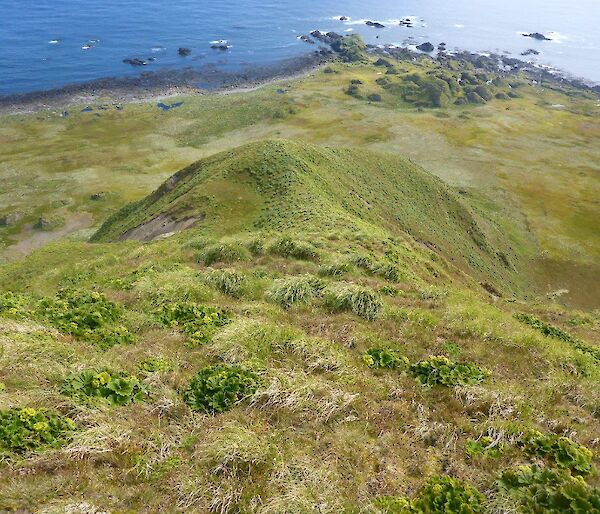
(157, 85)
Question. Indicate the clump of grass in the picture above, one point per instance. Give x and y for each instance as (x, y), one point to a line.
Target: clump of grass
(229, 282)
(198, 322)
(290, 291)
(223, 252)
(27, 429)
(335, 269)
(378, 358)
(386, 270)
(219, 388)
(287, 247)
(440, 370)
(363, 301)
(177, 285)
(117, 388)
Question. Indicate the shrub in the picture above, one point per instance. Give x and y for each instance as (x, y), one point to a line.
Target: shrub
(223, 252)
(155, 365)
(286, 247)
(117, 388)
(485, 446)
(376, 358)
(393, 505)
(28, 429)
(364, 302)
(287, 292)
(561, 450)
(548, 491)
(443, 495)
(219, 388)
(226, 281)
(78, 313)
(13, 305)
(107, 337)
(197, 322)
(440, 370)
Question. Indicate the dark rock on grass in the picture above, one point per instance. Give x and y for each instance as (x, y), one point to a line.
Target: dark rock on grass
(502, 96)
(135, 62)
(98, 196)
(11, 219)
(374, 97)
(356, 81)
(383, 62)
(538, 36)
(426, 47)
(530, 51)
(184, 52)
(49, 222)
(474, 98)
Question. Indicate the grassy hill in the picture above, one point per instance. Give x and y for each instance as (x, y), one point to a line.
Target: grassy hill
(282, 185)
(295, 348)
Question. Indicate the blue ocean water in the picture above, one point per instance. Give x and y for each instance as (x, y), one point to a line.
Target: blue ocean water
(51, 43)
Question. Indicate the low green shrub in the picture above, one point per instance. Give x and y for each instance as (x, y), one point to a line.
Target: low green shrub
(485, 447)
(219, 388)
(78, 313)
(364, 302)
(441, 495)
(447, 495)
(286, 247)
(107, 337)
(223, 252)
(13, 305)
(228, 282)
(155, 365)
(290, 291)
(117, 388)
(548, 491)
(198, 322)
(27, 429)
(439, 370)
(561, 450)
(377, 358)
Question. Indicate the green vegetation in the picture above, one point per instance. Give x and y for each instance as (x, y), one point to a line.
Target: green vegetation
(440, 370)
(283, 339)
(117, 388)
(198, 322)
(549, 491)
(27, 429)
(219, 388)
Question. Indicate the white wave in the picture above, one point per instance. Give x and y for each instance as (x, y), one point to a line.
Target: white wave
(157, 49)
(219, 42)
(54, 41)
(459, 26)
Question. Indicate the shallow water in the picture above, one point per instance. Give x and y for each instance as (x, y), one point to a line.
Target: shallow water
(51, 43)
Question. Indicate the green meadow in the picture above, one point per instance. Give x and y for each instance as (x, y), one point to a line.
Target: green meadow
(371, 289)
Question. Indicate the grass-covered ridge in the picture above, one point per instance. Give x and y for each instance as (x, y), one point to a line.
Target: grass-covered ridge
(280, 185)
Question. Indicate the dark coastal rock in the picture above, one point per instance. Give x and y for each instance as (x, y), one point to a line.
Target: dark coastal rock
(426, 47)
(383, 62)
(530, 51)
(184, 52)
(328, 38)
(343, 18)
(307, 39)
(375, 24)
(11, 219)
(220, 46)
(135, 62)
(538, 36)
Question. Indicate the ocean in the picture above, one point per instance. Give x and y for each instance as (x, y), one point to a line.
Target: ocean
(46, 44)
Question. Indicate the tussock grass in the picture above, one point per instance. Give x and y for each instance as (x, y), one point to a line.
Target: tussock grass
(362, 301)
(297, 290)
(288, 247)
(223, 252)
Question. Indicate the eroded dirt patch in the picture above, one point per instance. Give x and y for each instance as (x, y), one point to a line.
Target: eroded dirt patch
(159, 226)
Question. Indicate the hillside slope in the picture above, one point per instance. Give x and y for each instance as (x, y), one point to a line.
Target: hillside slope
(278, 185)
